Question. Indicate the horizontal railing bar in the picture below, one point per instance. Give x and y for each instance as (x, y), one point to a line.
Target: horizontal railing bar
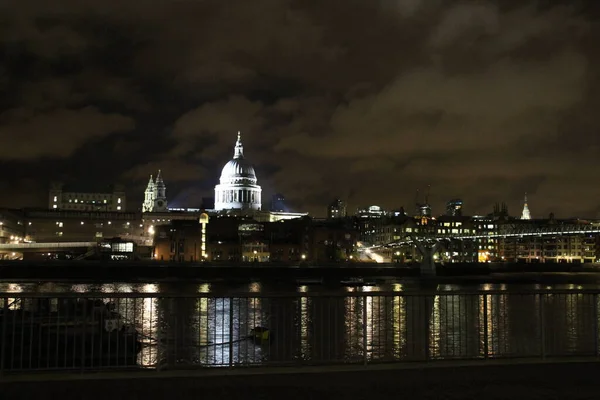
(295, 295)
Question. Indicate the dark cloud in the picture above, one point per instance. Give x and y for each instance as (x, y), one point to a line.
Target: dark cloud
(370, 101)
(25, 135)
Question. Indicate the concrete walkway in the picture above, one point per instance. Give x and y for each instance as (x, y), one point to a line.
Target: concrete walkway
(441, 380)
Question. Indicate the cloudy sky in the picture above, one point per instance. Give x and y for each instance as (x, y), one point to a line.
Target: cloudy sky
(367, 100)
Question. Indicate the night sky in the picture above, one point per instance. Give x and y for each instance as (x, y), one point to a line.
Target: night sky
(366, 100)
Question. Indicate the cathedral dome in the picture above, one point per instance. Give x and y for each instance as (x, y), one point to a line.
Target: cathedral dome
(238, 170)
(238, 187)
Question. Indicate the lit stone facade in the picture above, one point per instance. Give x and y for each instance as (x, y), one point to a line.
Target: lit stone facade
(238, 189)
(155, 196)
(59, 199)
(526, 214)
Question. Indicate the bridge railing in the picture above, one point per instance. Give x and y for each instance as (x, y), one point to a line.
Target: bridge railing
(54, 245)
(98, 331)
(505, 231)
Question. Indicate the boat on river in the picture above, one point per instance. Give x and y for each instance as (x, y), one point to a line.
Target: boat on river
(68, 334)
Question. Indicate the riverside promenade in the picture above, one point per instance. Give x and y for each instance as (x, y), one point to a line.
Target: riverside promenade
(507, 379)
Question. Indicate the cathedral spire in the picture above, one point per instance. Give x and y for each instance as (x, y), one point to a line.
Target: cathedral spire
(239, 149)
(526, 214)
(159, 180)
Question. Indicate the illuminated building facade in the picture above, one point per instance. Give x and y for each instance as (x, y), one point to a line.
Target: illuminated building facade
(454, 208)
(61, 199)
(238, 188)
(487, 246)
(182, 240)
(233, 239)
(337, 209)
(155, 195)
(563, 248)
(50, 226)
(12, 229)
(371, 212)
(59, 228)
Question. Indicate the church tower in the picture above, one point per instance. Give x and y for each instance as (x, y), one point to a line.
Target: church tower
(526, 214)
(148, 197)
(160, 194)
(155, 196)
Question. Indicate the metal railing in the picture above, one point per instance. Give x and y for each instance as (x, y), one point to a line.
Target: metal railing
(95, 331)
(51, 245)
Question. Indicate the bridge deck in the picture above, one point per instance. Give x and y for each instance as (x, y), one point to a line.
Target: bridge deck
(55, 245)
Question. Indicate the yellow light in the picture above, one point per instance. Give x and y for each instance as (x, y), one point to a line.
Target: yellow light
(303, 256)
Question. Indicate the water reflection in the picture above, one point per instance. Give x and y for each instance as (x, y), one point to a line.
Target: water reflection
(199, 327)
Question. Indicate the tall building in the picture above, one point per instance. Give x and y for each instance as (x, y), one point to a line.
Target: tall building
(337, 209)
(454, 208)
(371, 212)
(423, 210)
(525, 214)
(155, 195)
(278, 203)
(61, 199)
(238, 189)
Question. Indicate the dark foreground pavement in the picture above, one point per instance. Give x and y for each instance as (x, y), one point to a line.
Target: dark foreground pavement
(531, 381)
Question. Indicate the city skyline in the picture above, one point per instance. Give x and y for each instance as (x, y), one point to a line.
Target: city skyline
(482, 101)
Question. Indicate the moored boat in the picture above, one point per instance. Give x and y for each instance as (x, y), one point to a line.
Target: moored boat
(76, 334)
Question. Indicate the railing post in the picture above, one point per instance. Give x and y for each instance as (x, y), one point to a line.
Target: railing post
(542, 328)
(595, 299)
(364, 330)
(485, 327)
(230, 332)
(3, 340)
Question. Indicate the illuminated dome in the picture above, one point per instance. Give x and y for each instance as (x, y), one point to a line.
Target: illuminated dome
(237, 188)
(238, 170)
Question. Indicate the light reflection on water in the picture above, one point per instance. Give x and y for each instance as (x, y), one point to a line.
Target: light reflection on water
(213, 330)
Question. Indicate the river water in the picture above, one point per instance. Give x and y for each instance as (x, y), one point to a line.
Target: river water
(208, 324)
